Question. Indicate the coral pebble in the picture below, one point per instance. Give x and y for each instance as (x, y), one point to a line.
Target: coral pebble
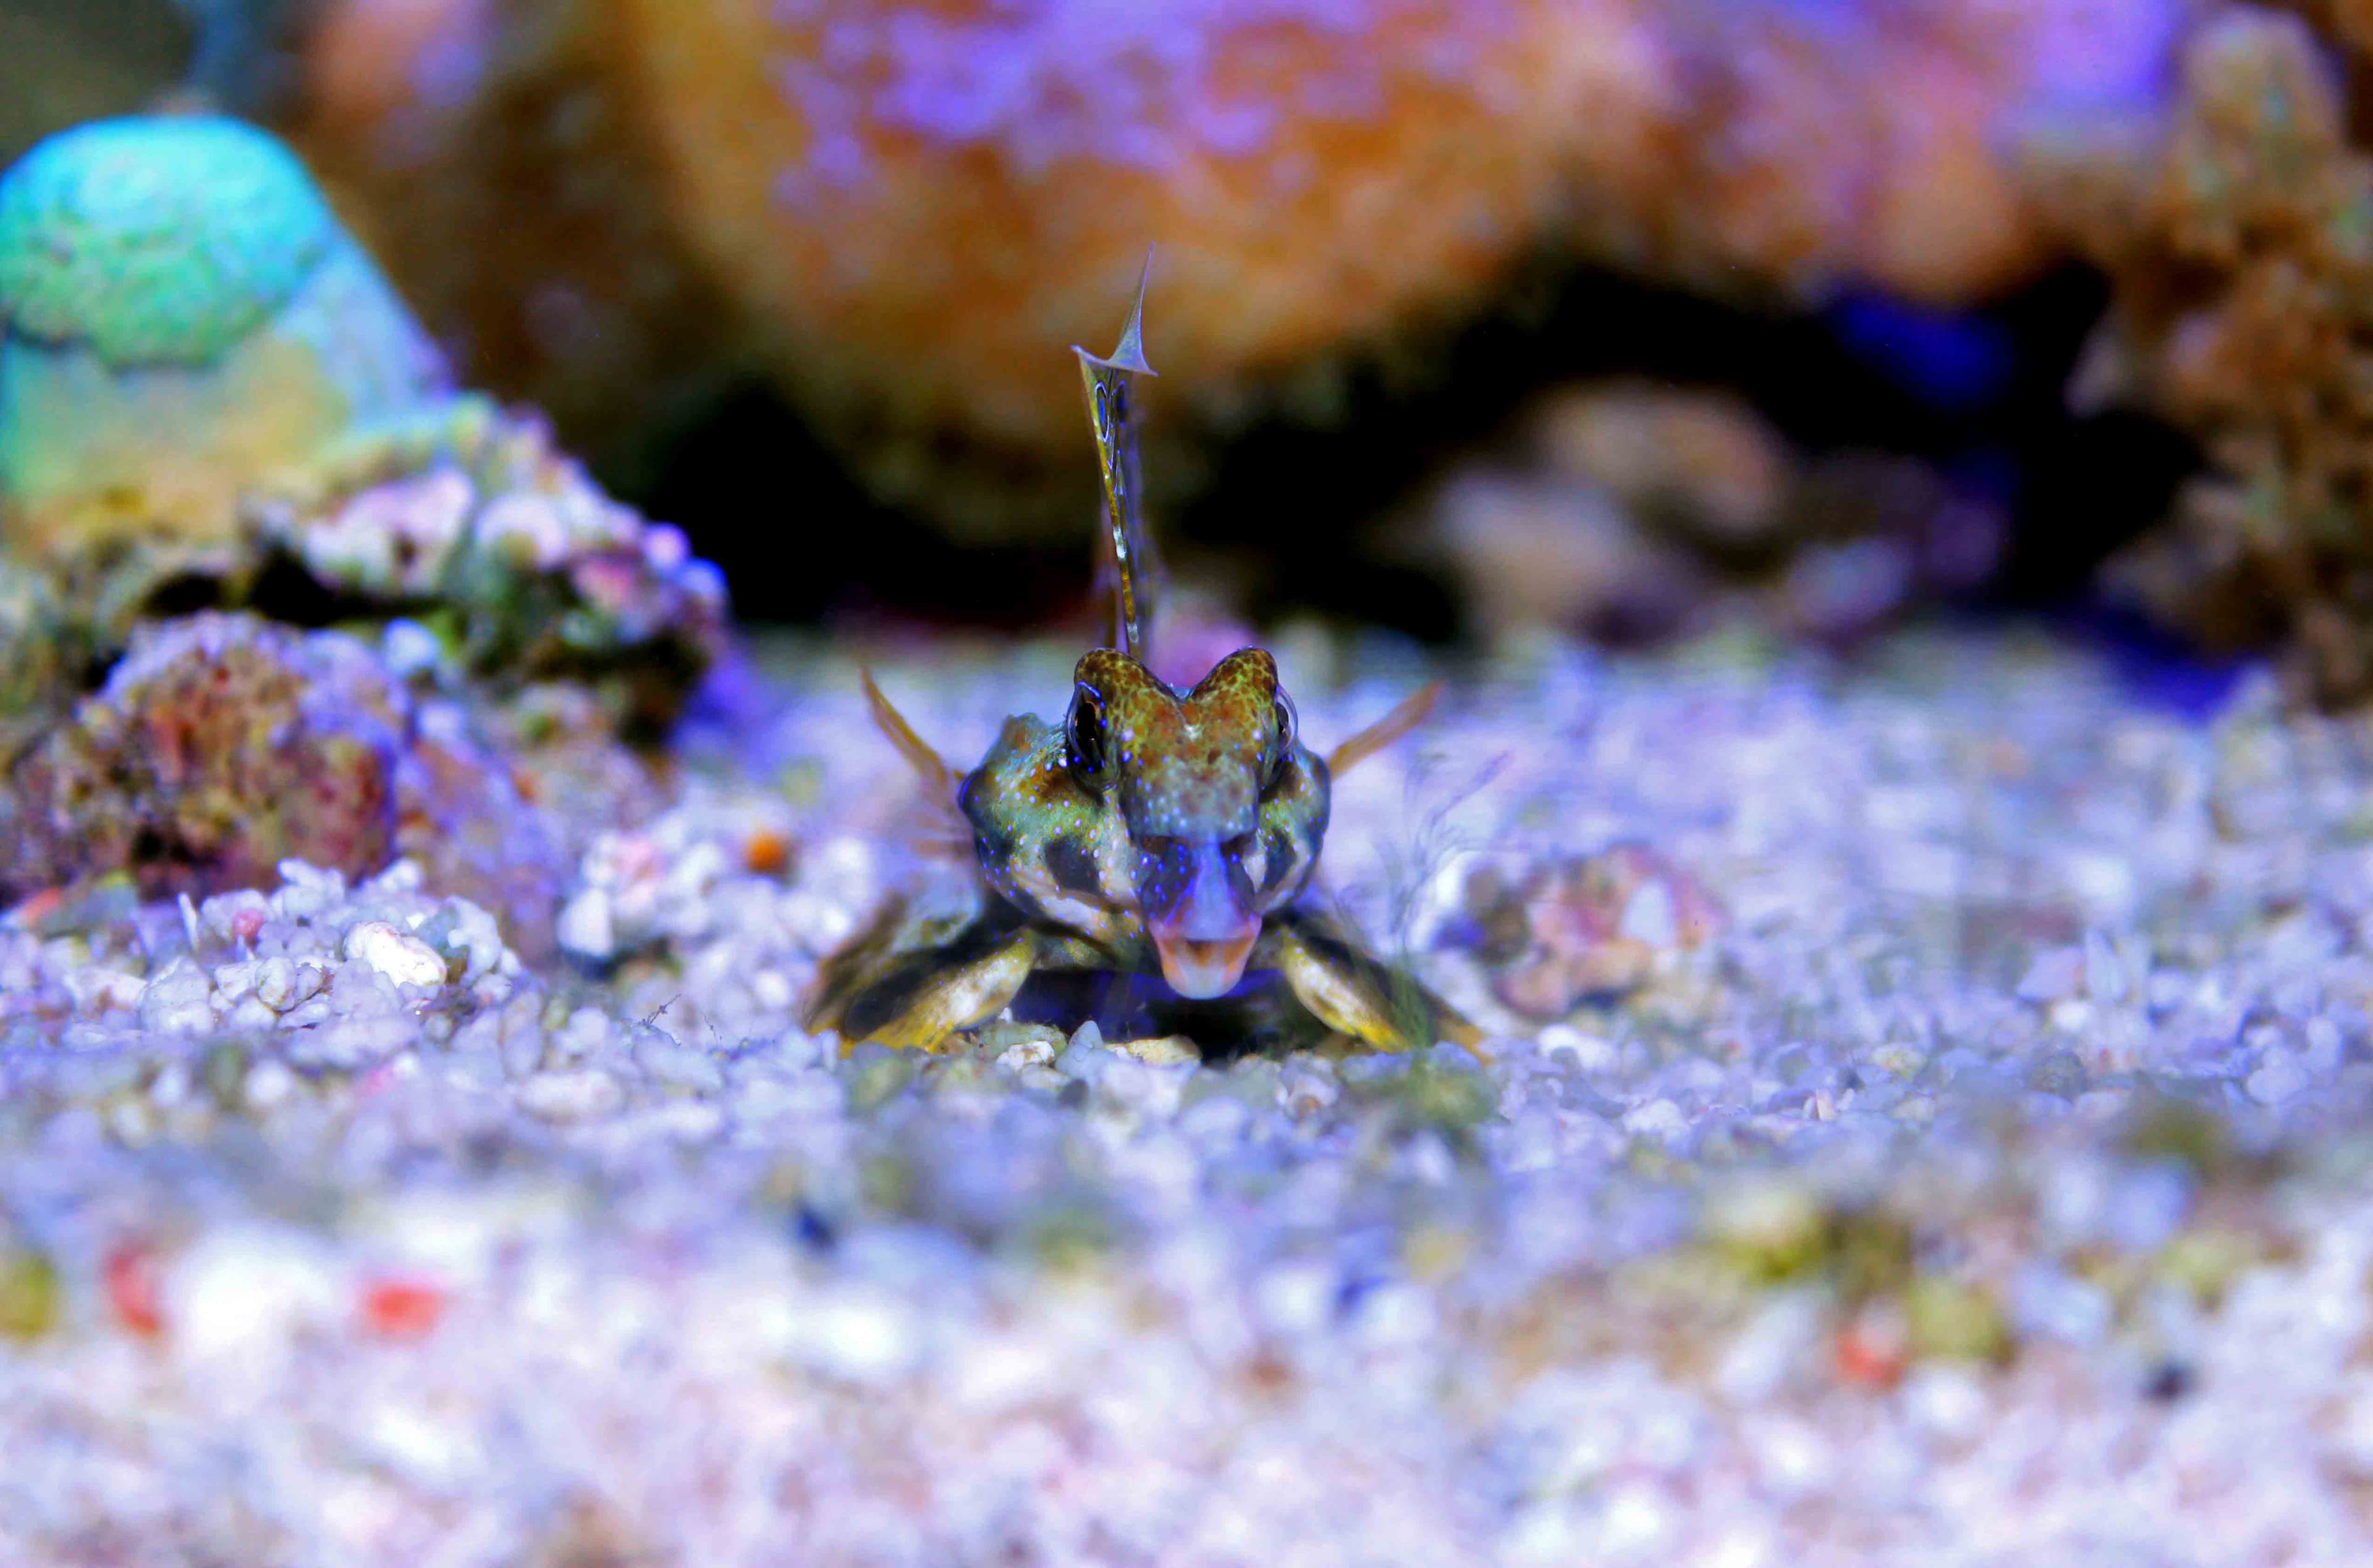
(1602, 923)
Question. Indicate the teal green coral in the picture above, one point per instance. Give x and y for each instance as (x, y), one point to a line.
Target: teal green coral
(155, 240)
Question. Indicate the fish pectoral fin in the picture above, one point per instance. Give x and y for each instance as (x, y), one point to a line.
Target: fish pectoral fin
(939, 779)
(1406, 714)
(918, 1000)
(1354, 993)
(844, 971)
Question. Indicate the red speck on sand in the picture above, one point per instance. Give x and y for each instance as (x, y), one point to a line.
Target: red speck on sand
(401, 1306)
(129, 1272)
(1872, 1360)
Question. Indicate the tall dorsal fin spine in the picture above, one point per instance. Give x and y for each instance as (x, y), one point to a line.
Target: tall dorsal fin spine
(1112, 413)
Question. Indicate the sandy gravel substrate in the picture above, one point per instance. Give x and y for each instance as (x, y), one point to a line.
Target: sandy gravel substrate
(1973, 1175)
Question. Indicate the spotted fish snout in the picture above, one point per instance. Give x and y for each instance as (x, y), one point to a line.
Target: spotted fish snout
(1189, 769)
(1153, 816)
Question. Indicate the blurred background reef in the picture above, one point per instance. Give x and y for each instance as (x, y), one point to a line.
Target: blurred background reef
(1623, 317)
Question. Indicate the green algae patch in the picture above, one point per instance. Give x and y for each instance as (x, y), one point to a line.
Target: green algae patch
(31, 1298)
(1775, 1232)
(1952, 1320)
(1427, 1095)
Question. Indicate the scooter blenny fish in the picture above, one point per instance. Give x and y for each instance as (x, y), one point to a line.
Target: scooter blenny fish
(1154, 829)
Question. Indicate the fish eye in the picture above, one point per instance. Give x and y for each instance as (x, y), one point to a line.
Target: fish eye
(1285, 736)
(1084, 736)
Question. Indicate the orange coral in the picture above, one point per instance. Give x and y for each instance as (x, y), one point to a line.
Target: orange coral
(920, 204)
(914, 203)
(482, 156)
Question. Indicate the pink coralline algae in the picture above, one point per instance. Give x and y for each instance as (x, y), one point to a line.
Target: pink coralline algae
(218, 749)
(222, 745)
(528, 569)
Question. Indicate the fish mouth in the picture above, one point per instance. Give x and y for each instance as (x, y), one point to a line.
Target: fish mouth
(1201, 967)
